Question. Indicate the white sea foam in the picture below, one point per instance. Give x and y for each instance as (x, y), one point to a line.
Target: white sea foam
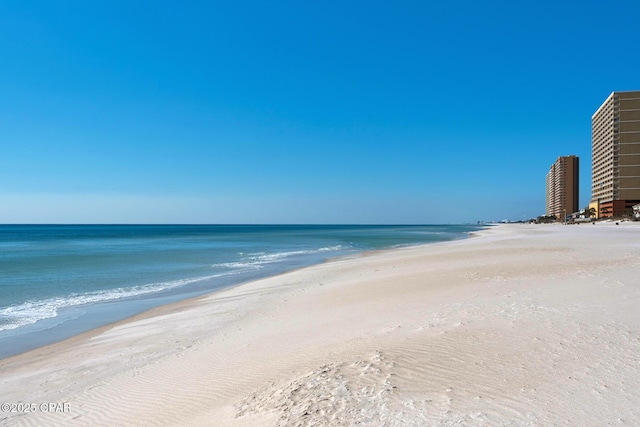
(30, 312)
(257, 260)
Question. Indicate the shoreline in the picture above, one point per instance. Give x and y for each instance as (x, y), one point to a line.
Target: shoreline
(405, 336)
(194, 299)
(73, 320)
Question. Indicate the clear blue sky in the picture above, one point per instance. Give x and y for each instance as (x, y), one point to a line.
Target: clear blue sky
(300, 112)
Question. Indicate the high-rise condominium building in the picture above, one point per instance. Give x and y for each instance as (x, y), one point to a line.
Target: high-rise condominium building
(615, 154)
(563, 187)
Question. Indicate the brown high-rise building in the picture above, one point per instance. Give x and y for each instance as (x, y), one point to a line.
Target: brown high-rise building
(563, 187)
(615, 154)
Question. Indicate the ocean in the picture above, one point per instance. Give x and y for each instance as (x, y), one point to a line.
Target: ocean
(57, 281)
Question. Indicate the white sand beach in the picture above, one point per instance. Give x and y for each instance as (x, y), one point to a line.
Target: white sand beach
(520, 325)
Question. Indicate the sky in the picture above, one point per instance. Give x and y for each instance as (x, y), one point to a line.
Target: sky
(374, 112)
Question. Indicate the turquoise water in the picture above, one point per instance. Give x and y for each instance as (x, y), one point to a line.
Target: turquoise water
(60, 280)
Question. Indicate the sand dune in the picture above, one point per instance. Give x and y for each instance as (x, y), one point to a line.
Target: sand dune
(520, 325)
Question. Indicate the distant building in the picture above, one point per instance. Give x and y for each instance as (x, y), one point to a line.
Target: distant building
(615, 153)
(563, 187)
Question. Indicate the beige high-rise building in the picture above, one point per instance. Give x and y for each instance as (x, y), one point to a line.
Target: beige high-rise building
(615, 154)
(563, 187)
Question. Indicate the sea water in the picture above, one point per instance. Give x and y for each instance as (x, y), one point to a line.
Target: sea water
(57, 281)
